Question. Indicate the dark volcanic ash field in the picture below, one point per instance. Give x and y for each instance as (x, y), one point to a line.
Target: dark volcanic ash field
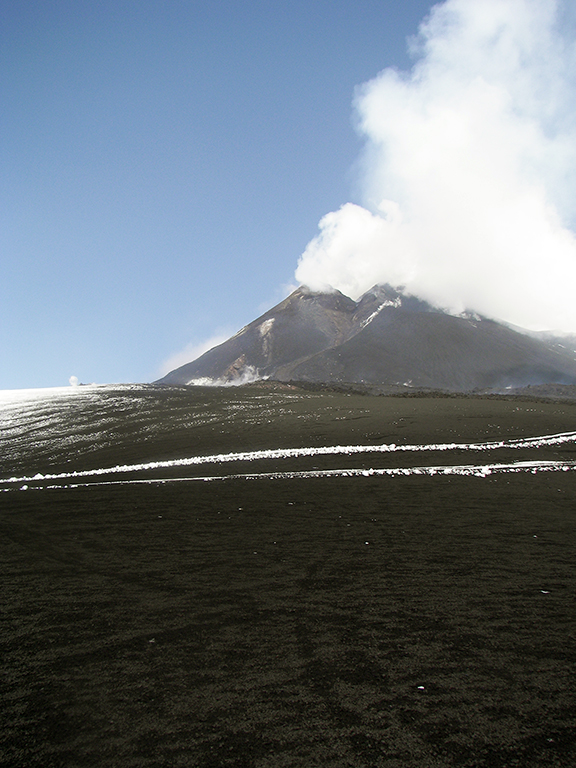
(172, 598)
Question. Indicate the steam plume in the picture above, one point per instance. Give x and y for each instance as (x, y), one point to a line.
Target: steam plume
(469, 176)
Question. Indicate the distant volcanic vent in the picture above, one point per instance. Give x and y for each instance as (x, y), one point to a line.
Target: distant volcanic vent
(237, 370)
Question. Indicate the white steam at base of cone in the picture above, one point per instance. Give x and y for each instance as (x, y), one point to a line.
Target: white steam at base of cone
(469, 170)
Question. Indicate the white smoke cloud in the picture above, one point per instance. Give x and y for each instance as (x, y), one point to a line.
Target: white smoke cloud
(469, 170)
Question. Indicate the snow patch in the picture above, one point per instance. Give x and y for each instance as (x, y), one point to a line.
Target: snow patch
(470, 470)
(388, 303)
(284, 453)
(266, 326)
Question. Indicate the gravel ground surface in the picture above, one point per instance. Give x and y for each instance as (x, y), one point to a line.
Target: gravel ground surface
(402, 621)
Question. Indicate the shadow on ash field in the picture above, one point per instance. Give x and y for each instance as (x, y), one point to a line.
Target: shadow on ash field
(402, 622)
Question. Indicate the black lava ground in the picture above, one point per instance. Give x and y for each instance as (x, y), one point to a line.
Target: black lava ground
(418, 622)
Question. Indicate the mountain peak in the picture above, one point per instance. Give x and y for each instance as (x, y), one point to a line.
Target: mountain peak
(386, 338)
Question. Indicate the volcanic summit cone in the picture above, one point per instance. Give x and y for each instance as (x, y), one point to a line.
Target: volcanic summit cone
(386, 338)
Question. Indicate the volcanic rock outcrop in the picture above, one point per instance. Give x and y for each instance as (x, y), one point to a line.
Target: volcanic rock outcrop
(387, 338)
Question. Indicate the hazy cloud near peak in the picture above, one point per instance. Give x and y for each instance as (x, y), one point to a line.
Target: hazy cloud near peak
(469, 169)
(191, 351)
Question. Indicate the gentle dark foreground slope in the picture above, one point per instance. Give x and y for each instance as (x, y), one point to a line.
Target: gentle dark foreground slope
(419, 621)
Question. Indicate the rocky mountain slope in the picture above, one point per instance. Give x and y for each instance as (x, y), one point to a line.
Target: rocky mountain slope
(386, 338)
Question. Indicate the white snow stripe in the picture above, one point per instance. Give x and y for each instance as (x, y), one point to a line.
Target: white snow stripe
(483, 470)
(285, 453)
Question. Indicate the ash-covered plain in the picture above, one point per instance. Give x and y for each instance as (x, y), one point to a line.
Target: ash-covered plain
(189, 579)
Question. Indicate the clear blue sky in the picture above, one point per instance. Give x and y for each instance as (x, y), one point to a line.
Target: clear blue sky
(164, 164)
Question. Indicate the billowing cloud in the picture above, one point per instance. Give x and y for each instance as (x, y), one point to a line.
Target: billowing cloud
(469, 170)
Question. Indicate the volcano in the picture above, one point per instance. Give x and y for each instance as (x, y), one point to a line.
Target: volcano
(386, 339)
